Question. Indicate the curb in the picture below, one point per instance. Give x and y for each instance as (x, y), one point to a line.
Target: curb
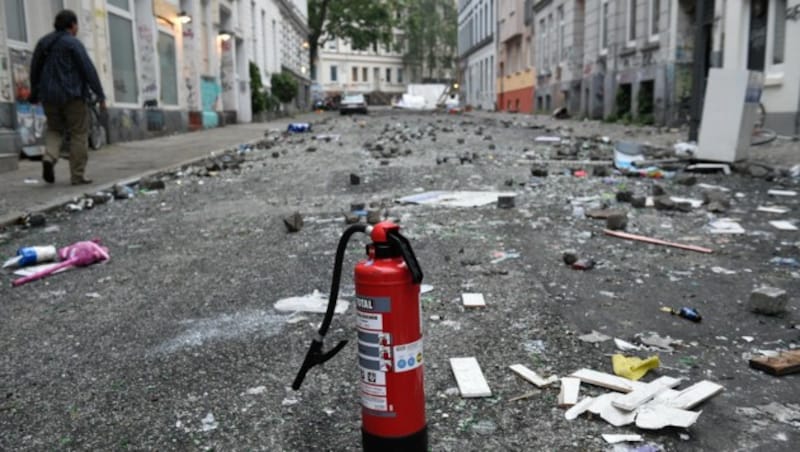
(12, 218)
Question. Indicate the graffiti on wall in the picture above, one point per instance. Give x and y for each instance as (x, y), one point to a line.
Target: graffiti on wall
(147, 62)
(31, 121)
(227, 70)
(189, 72)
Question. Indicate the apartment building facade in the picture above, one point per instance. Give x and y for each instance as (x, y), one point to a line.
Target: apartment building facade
(378, 73)
(477, 52)
(166, 65)
(516, 75)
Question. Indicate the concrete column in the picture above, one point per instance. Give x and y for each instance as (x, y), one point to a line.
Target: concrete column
(190, 49)
(146, 35)
(736, 25)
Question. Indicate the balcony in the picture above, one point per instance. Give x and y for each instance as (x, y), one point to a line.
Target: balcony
(512, 23)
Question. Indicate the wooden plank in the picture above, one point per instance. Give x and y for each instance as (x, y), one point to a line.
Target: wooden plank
(570, 388)
(652, 241)
(656, 417)
(694, 395)
(644, 394)
(469, 377)
(611, 438)
(473, 300)
(605, 380)
(783, 364)
(532, 376)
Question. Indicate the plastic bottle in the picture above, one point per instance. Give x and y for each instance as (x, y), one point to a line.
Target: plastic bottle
(690, 314)
(32, 255)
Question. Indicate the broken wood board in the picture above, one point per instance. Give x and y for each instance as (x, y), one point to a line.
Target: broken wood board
(473, 300)
(783, 364)
(603, 406)
(570, 388)
(773, 209)
(656, 417)
(579, 408)
(783, 225)
(652, 241)
(775, 192)
(644, 394)
(691, 396)
(607, 381)
(469, 377)
(532, 376)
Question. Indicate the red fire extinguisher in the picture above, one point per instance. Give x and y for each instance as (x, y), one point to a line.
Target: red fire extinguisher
(390, 354)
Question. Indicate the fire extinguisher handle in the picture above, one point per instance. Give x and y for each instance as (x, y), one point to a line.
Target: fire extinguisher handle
(407, 252)
(314, 357)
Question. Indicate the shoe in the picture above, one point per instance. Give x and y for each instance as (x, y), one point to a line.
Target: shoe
(82, 181)
(47, 172)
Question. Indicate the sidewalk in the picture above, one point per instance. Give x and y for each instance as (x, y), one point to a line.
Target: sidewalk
(121, 162)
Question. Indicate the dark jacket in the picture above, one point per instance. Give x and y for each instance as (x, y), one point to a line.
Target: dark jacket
(61, 71)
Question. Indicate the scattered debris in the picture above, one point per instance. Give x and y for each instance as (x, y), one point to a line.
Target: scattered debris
(547, 139)
(641, 238)
(473, 300)
(31, 255)
(725, 226)
(768, 301)
(661, 343)
(80, 254)
(686, 313)
(615, 439)
(784, 363)
(314, 302)
(500, 256)
(785, 261)
(579, 408)
(470, 379)
(570, 389)
(209, 423)
(710, 168)
(152, 184)
(783, 225)
(776, 192)
(633, 368)
(506, 201)
(293, 222)
(533, 377)
(723, 271)
(638, 397)
(355, 179)
(657, 417)
(594, 337)
(455, 198)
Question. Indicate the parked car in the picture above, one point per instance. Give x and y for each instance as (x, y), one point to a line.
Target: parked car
(353, 103)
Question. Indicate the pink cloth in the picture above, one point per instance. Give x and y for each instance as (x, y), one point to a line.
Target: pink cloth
(81, 254)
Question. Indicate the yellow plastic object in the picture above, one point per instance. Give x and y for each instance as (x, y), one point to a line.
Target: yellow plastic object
(633, 368)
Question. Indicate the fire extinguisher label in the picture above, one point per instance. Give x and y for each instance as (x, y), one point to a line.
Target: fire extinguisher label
(378, 391)
(373, 377)
(370, 321)
(374, 402)
(407, 356)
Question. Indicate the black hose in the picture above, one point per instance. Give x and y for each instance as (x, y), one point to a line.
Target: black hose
(337, 275)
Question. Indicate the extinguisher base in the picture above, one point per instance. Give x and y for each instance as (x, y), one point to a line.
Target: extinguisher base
(416, 442)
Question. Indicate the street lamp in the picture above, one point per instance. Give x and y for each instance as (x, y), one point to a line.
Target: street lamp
(306, 44)
(224, 35)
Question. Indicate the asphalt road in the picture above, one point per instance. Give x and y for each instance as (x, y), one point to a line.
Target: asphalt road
(174, 344)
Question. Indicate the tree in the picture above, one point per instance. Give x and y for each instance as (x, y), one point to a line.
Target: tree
(431, 34)
(284, 87)
(364, 23)
(258, 101)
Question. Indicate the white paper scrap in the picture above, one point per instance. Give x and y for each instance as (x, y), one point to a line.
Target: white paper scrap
(773, 209)
(783, 225)
(775, 192)
(725, 226)
(695, 203)
(619, 438)
(473, 300)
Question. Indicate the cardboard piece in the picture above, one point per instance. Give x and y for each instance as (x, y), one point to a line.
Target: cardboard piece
(603, 406)
(605, 380)
(693, 395)
(656, 417)
(469, 377)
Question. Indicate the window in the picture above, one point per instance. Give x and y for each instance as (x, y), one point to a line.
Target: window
(631, 20)
(121, 4)
(123, 57)
(655, 17)
(169, 70)
(779, 32)
(388, 75)
(15, 21)
(355, 74)
(553, 45)
(334, 73)
(604, 27)
(543, 43)
(562, 51)
(56, 6)
(364, 74)
(400, 75)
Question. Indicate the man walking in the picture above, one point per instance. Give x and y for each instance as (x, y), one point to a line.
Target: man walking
(62, 78)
